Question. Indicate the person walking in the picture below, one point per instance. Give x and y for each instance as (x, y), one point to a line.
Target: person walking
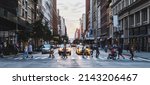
(97, 51)
(25, 54)
(30, 50)
(92, 49)
(1, 50)
(105, 48)
(64, 55)
(51, 54)
(131, 52)
(120, 52)
(83, 51)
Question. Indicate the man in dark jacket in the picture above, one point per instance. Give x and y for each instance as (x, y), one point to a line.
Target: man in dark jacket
(97, 51)
(1, 50)
(131, 52)
(120, 52)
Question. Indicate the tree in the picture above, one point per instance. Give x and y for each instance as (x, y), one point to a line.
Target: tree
(47, 34)
(38, 30)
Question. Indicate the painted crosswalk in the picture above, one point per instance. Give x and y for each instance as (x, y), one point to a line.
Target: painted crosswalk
(45, 57)
(74, 56)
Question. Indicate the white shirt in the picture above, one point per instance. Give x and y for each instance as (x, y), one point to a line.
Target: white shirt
(26, 49)
(30, 48)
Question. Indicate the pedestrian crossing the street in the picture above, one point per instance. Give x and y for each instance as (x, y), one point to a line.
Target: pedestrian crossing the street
(102, 57)
(46, 57)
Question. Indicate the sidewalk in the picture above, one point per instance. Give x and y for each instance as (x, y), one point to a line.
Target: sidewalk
(17, 55)
(145, 55)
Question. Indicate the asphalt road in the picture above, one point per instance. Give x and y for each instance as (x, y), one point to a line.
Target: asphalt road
(74, 61)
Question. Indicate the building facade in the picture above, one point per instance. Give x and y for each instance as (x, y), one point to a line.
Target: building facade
(134, 23)
(83, 26)
(105, 27)
(16, 19)
(8, 21)
(55, 17)
(77, 34)
(89, 34)
(94, 19)
(87, 14)
(62, 31)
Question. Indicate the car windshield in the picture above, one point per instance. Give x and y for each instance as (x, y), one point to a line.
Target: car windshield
(79, 46)
(62, 46)
(46, 46)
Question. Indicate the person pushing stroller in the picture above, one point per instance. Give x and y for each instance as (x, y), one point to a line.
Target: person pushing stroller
(112, 54)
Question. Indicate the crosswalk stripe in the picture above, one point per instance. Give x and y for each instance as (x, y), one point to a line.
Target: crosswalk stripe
(79, 57)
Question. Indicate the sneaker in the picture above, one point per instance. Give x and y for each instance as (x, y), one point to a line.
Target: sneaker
(31, 56)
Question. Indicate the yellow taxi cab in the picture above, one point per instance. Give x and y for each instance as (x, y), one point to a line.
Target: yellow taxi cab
(87, 50)
(61, 49)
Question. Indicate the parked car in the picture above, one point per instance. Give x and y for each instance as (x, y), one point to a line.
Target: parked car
(79, 50)
(46, 48)
(61, 49)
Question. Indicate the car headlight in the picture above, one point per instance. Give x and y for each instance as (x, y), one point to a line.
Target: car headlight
(69, 49)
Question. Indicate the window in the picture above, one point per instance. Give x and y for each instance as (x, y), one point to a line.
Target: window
(119, 7)
(143, 30)
(131, 32)
(131, 1)
(144, 15)
(116, 8)
(22, 12)
(23, 2)
(19, 10)
(26, 4)
(5, 13)
(26, 15)
(126, 23)
(136, 31)
(113, 11)
(137, 17)
(122, 4)
(127, 2)
(131, 20)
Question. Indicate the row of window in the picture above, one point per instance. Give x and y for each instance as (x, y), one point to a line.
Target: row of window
(122, 4)
(25, 3)
(24, 11)
(139, 18)
(138, 31)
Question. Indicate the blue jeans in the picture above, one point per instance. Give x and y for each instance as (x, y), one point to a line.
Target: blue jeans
(25, 55)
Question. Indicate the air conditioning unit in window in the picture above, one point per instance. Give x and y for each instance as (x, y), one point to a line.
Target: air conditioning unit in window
(145, 22)
(131, 26)
(138, 24)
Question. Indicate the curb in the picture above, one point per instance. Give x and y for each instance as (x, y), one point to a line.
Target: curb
(17, 55)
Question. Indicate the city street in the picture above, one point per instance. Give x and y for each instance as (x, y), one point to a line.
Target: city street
(73, 61)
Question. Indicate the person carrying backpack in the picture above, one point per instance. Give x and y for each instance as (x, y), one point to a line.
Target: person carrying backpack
(131, 52)
(120, 52)
(30, 50)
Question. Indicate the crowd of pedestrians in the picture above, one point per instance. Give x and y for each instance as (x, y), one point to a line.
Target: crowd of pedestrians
(118, 49)
(28, 50)
(114, 51)
(14, 49)
(7, 49)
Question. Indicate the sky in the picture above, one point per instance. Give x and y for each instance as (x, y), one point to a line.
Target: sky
(72, 11)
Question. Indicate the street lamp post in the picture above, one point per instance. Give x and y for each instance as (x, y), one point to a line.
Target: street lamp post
(16, 25)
